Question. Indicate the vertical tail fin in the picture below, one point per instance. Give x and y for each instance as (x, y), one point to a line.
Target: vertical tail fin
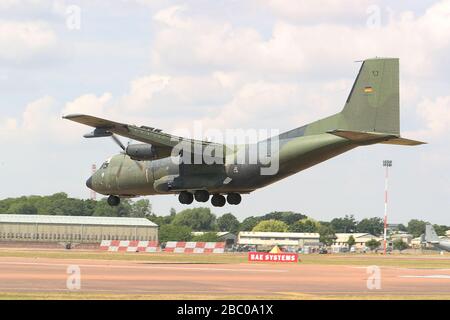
(373, 103)
(430, 234)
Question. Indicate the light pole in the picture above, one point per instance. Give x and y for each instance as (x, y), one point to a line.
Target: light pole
(386, 164)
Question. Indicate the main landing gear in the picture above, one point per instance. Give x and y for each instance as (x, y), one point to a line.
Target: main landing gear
(185, 197)
(217, 200)
(234, 198)
(201, 195)
(113, 201)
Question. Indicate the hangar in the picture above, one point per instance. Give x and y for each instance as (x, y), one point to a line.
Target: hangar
(341, 240)
(47, 228)
(227, 237)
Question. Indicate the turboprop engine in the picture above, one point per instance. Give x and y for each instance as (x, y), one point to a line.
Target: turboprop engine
(144, 152)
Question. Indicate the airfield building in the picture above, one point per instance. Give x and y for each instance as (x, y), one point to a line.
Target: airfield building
(227, 237)
(341, 240)
(263, 240)
(75, 229)
(404, 236)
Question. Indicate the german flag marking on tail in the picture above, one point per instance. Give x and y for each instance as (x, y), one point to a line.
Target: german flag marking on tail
(368, 89)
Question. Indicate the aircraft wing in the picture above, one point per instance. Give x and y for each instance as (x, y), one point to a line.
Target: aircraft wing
(144, 134)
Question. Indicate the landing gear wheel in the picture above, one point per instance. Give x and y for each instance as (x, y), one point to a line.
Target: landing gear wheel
(185, 197)
(234, 198)
(201, 195)
(218, 200)
(113, 201)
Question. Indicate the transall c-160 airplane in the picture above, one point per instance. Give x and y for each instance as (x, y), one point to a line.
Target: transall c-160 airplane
(158, 165)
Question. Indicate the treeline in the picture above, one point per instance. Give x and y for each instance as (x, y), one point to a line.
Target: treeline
(60, 204)
(179, 225)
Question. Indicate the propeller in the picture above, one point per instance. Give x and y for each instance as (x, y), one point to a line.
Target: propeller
(118, 142)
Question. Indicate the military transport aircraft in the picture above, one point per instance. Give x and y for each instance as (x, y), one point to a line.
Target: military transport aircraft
(432, 238)
(370, 115)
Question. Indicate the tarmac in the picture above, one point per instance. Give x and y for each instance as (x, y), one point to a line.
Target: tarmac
(246, 280)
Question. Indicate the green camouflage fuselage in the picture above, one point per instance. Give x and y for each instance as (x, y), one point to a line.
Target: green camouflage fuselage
(125, 177)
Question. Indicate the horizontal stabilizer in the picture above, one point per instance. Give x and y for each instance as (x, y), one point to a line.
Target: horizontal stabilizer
(404, 142)
(362, 137)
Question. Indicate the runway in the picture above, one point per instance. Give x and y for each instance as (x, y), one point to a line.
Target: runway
(246, 280)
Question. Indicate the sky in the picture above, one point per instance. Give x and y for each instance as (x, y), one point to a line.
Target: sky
(256, 64)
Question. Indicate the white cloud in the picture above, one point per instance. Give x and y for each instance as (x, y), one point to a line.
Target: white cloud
(156, 100)
(36, 122)
(248, 79)
(279, 105)
(6, 126)
(8, 4)
(318, 9)
(295, 48)
(57, 7)
(36, 114)
(143, 89)
(42, 120)
(436, 116)
(22, 41)
(171, 17)
(88, 104)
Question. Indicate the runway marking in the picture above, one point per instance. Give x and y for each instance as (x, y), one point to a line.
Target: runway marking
(144, 267)
(402, 268)
(431, 276)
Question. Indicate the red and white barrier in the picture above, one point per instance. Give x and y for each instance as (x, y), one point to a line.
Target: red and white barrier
(195, 247)
(130, 246)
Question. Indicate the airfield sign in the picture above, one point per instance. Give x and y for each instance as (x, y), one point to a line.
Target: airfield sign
(272, 257)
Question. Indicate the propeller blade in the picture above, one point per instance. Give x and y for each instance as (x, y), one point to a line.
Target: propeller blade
(119, 143)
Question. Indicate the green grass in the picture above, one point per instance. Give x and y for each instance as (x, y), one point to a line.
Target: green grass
(394, 260)
(128, 256)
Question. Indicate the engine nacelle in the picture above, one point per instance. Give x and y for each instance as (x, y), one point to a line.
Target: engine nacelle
(144, 152)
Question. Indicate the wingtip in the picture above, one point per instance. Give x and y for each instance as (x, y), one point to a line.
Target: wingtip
(71, 116)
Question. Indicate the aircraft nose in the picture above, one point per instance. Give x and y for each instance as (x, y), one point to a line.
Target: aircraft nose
(89, 183)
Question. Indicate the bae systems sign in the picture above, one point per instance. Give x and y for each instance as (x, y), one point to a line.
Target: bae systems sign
(272, 257)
